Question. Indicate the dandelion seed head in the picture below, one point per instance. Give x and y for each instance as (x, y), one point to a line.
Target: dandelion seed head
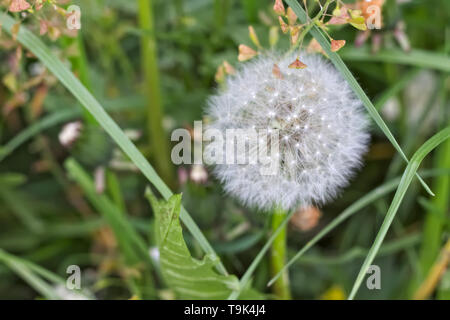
(322, 128)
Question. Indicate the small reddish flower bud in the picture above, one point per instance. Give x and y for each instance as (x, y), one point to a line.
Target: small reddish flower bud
(278, 7)
(297, 64)
(337, 44)
(246, 53)
(276, 72)
(283, 25)
(19, 5)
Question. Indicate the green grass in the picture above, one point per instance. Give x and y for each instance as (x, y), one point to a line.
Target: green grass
(149, 65)
(86, 99)
(407, 177)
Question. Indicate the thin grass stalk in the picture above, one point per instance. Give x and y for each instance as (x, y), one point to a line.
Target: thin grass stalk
(347, 75)
(436, 272)
(221, 8)
(355, 207)
(406, 180)
(80, 68)
(437, 217)
(158, 141)
(43, 53)
(251, 269)
(250, 9)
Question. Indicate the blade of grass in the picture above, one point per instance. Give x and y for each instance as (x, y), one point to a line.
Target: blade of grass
(113, 187)
(20, 206)
(34, 275)
(62, 116)
(407, 177)
(435, 220)
(157, 136)
(29, 276)
(43, 53)
(389, 248)
(251, 10)
(80, 67)
(411, 137)
(435, 274)
(345, 72)
(249, 272)
(133, 245)
(416, 57)
(364, 201)
(396, 88)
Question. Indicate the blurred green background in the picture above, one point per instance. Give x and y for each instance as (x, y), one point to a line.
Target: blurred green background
(46, 217)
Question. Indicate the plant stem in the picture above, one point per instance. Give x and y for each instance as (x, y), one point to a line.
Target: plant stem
(221, 8)
(436, 272)
(278, 257)
(310, 24)
(80, 68)
(436, 219)
(347, 75)
(157, 136)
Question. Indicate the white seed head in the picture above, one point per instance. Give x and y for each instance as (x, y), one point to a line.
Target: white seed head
(321, 124)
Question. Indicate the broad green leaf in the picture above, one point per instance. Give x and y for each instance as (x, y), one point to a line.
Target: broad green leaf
(188, 277)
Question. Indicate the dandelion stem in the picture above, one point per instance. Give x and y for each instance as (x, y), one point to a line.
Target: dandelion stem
(278, 256)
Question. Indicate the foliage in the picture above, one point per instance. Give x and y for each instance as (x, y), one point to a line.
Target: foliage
(56, 211)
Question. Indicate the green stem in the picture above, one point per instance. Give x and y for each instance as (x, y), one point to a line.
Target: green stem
(221, 9)
(80, 68)
(347, 75)
(436, 219)
(311, 24)
(157, 136)
(278, 257)
(251, 10)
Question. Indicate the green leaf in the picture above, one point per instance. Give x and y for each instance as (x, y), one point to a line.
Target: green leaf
(62, 116)
(443, 292)
(359, 23)
(407, 177)
(18, 203)
(415, 57)
(29, 276)
(132, 245)
(60, 70)
(354, 208)
(43, 281)
(188, 277)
